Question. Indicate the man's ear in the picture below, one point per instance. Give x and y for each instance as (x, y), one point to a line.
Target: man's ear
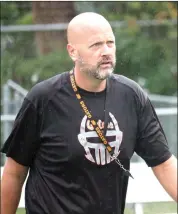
(72, 52)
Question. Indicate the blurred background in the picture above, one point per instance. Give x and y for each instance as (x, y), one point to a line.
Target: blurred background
(33, 48)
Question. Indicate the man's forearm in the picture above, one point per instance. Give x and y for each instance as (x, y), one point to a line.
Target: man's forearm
(167, 176)
(11, 189)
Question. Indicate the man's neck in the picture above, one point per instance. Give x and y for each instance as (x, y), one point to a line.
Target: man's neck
(89, 83)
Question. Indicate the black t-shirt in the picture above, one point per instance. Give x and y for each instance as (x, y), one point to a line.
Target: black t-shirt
(70, 170)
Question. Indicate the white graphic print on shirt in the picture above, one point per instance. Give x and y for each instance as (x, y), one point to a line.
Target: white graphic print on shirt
(101, 155)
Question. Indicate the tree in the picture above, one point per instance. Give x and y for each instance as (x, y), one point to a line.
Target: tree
(51, 12)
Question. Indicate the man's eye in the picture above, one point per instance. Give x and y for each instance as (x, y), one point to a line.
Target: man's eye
(97, 44)
(110, 42)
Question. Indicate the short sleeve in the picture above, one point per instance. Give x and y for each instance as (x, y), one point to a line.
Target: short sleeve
(151, 142)
(23, 141)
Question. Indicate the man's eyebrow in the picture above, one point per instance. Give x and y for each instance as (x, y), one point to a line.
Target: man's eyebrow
(96, 42)
(101, 42)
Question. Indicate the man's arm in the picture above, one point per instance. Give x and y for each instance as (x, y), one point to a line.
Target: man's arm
(166, 173)
(13, 178)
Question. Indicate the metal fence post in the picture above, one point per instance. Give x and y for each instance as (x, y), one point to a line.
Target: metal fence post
(138, 208)
(5, 110)
(17, 100)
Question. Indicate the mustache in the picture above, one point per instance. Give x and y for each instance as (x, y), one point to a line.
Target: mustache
(109, 60)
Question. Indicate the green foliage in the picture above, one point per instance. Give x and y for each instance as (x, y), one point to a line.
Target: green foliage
(22, 70)
(9, 13)
(25, 19)
(137, 10)
(140, 56)
(14, 13)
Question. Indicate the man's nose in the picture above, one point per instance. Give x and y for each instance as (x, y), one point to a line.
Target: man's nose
(106, 50)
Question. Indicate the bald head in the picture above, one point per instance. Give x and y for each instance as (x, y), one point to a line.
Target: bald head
(84, 22)
(91, 45)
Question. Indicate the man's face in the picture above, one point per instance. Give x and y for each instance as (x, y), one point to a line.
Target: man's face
(96, 53)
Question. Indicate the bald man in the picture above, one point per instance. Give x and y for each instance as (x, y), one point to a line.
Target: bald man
(76, 133)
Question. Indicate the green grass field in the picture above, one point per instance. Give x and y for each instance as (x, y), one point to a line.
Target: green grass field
(151, 208)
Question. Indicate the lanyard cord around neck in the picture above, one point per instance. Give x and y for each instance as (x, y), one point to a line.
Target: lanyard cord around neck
(95, 126)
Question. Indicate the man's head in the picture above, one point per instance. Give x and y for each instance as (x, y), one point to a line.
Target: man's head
(91, 45)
